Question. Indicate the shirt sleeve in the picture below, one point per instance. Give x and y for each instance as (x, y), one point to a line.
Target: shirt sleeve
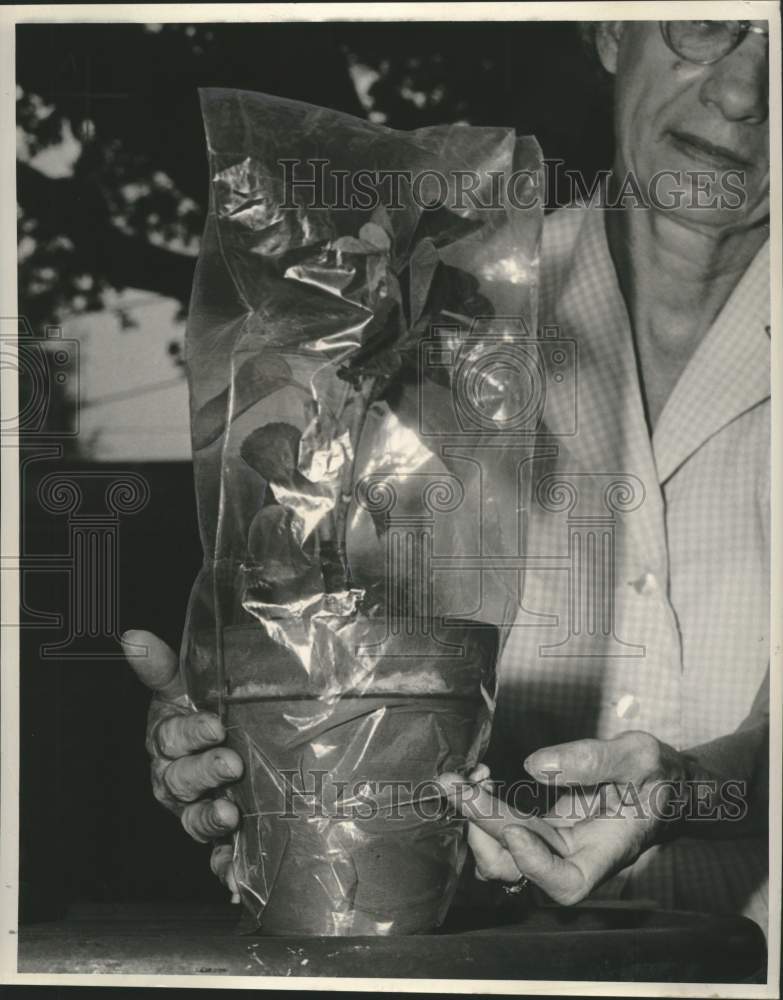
(743, 754)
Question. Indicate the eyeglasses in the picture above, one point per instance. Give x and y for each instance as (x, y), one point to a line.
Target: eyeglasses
(706, 42)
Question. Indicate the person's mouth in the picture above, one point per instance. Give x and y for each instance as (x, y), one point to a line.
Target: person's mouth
(697, 148)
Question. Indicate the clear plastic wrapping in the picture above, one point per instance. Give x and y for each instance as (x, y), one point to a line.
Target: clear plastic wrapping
(351, 366)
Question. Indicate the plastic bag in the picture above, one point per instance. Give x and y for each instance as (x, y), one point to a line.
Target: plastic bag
(359, 370)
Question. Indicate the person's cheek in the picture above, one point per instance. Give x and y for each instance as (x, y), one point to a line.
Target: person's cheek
(630, 135)
(634, 121)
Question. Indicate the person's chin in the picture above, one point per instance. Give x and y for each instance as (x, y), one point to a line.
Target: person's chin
(720, 200)
(716, 218)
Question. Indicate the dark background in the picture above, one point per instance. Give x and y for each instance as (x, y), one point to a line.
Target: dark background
(90, 829)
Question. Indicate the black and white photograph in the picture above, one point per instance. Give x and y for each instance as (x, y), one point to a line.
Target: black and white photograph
(391, 547)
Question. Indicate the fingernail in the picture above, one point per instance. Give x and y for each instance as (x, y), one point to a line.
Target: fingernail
(206, 730)
(542, 764)
(225, 768)
(235, 898)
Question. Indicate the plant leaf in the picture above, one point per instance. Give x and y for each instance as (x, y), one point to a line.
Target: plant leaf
(373, 234)
(350, 244)
(257, 377)
(273, 451)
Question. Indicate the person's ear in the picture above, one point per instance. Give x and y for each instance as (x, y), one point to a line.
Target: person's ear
(607, 42)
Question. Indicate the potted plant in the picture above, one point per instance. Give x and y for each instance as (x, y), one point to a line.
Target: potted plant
(337, 485)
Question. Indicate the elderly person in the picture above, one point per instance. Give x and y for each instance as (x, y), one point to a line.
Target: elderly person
(670, 312)
(660, 701)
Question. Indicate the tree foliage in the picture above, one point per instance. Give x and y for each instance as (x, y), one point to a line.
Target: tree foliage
(112, 180)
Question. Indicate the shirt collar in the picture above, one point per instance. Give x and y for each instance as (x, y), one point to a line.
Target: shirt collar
(728, 374)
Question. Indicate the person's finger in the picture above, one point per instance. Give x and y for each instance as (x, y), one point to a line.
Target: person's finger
(492, 860)
(489, 813)
(208, 820)
(179, 735)
(631, 756)
(480, 775)
(188, 778)
(222, 865)
(576, 804)
(154, 663)
(558, 877)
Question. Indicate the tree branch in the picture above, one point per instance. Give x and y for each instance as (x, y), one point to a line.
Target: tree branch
(65, 205)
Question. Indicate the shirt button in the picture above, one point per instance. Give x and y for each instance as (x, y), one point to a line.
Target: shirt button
(627, 707)
(646, 584)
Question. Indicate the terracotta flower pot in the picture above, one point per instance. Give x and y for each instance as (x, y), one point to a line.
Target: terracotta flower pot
(343, 831)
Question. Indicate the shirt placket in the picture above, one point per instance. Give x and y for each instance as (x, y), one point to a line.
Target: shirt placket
(640, 691)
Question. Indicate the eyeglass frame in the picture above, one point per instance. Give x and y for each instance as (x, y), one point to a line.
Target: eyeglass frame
(745, 29)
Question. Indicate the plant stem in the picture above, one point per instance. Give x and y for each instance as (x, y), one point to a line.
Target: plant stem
(362, 401)
(332, 530)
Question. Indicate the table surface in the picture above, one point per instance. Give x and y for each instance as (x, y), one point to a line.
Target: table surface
(610, 942)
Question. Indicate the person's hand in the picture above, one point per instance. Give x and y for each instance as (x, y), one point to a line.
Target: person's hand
(188, 764)
(618, 793)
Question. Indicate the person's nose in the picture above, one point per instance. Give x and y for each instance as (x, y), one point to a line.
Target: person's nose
(737, 84)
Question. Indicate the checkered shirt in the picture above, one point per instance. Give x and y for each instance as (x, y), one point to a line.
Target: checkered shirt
(647, 602)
